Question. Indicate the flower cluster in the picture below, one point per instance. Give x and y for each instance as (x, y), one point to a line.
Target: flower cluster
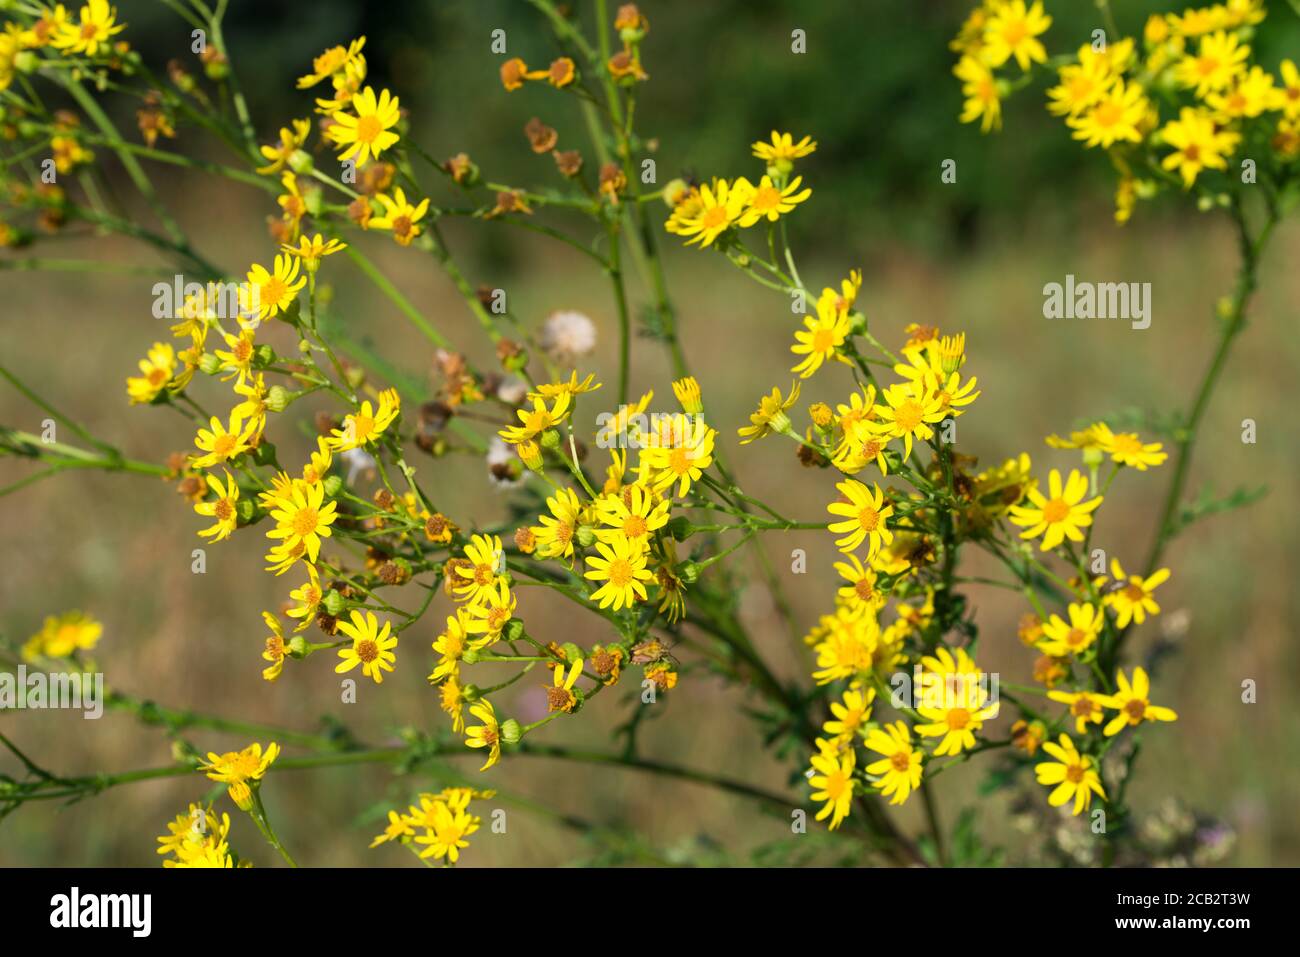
(1177, 106)
(437, 829)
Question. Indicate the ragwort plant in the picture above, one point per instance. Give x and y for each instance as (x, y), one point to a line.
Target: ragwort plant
(639, 520)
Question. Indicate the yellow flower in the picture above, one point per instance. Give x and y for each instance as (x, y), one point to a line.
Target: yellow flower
(833, 783)
(366, 131)
(61, 635)
(1131, 597)
(487, 735)
(274, 650)
(866, 517)
(157, 369)
(861, 587)
(486, 563)
(1012, 31)
(1085, 708)
(783, 149)
(820, 338)
(223, 509)
(302, 517)
(400, 217)
(845, 643)
(1219, 60)
(452, 701)
(980, 88)
(192, 835)
(770, 202)
(687, 391)
(236, 769)
(1081, 84)
(447, 832)
(312, 251)
(634, 514)
(683, 460)
(397, 828)
(1115, 118)
(1197, 144)
(1058, 515)
(899, 770)
(621, 566)
(1061, 639)
(1071, 775)
(537, 420)
(1133, 704)
(1127, 448)
(368, 423)
(372, 647)
(1250, 96)
(221, 445)
(720, 207)
(849, 718)
(560, 695)
(291, 139)
(555, 535)
(96, 29)
(334, 60)
(489, 613)
(1287, 98)
(770, 416)
(274, 292)
(908, 414)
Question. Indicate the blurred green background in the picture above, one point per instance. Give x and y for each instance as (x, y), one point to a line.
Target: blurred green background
(876, 92)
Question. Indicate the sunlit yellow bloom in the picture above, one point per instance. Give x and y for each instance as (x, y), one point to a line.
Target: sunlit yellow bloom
(1132, 597)
(1059, 514)
(1013, 31)
(487, 562)
(1085, 708)
(224, 508)
(291, 138)
(93, 33)
(866, 517)
(303, 517)
(832, 782)
(220, 445)
(535, 421)
(720, 207)
(983, 100)
(400, 217)
(621, 568)
(1133, 704)
(1116, 117)
(783, 149)
(771, 202)
(487, 735)
(368, 423)
(899, 771)
(1071, 775)
(372, 647)
(1061, 639)
(61, 635)
(236, 769)
(820, 338)
(770, 416)
(157, 369)
(367, 130)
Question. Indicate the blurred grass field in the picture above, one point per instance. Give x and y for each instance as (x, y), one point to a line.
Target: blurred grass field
(119, 546)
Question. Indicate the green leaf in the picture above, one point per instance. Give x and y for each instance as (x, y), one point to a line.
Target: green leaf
(1206, 504)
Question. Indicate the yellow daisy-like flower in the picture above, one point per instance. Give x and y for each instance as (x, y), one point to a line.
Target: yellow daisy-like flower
(487, 735)
(274, 292)
(861, 587)
(634, 514)
(372, 647)
(621, 566)
(1080, 84)
(490, 613)
(900, 768)
(94, 31)
(1219, 59)
(832, 782)
(979, 86)
(720, 207)
(771, 202)
(487, 562)
(1012, 31)
(452, 701)
(1071, 775)
(865, 517)
(782, 148)
(223, 508)
(303, 517)
(368, 423)
(1198, 144)
(367, 130)
(1061, 639)
(1085, 708)
(398, 827)
(682, 461)
(61, 635)
(157, 370)
(1249, 96)
(555, 535)
(291, 138)
(1287, 98)
(537, 420)
(334, 60)
(907, 414)
(770, 416)
(274, 650)
(1133, 704)
(560, 695)
(220, 445)
(1059, 514)
(312, 251)
(236, 769)
(1131, 597)
(850, 716)
(820, 337)
(446, 834)
(308, 597)
(400, 217)
(1116, 117)
(1127, 448)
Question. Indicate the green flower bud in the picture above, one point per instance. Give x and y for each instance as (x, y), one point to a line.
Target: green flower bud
(278, 398)
(689, 573)
(209, 364)
(511, 732)
(572, 652)
(264, 355)
(680, 528)
(471, 692)
(470, 656)
(586, 536)
(245, 509)
(26, 62)
(335, 603)
(333, 483)
(311, 198)
(550, 439)
(513, 631)
(264, 454)
(298, 647)
(300, 161)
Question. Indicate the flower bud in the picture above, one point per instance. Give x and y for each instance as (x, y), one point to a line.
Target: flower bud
(585, 535)
(689, 573)
(514, 630)
(550, 439)
(571, 652)
(209, 364)
(333, 484)
(298, 647)
(511, 732)
(278, 398)
(680, 528)
(334, 603)
(470, 656)
(300, 161)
